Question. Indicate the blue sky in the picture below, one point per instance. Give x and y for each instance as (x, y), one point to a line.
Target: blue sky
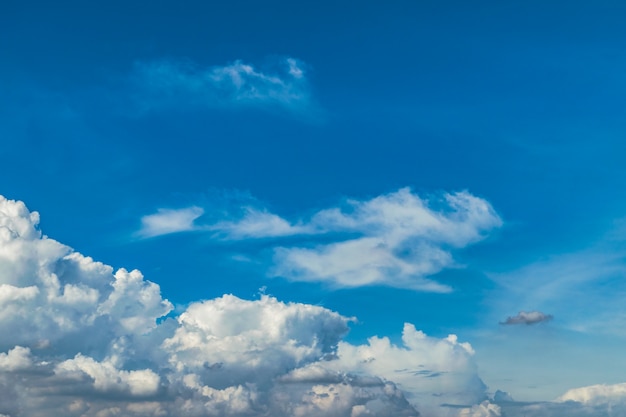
(436, 163)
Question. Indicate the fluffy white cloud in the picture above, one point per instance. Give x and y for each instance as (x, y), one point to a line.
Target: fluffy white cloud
(167, 221)
(107, 378)
(170, 83)
(431, 371)
(16, 359)
(80, 339)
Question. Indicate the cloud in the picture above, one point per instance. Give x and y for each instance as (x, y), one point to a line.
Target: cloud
(597, 395)
(16, 359)
(167, 221)
(105, 377)
(430, 371)
(531, 317)
(397, 239)
(484, 409)
(172, 83)
(565, 284)
(256, 223)
(80, 339)
(589, 401)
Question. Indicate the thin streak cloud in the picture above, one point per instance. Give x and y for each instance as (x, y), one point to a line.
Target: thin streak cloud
(168, 83)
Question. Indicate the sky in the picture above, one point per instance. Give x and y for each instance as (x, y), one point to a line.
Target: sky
(312, 208)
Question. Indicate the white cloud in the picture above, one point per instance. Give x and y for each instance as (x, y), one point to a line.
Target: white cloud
(596, 395)
(170, 83)
(167, 221)
(256, 224)
(484, 409)
(397, 239)
(107, 378)
(16, 359)
(80, 339)
(431, 371)
(590, 401)
(530, 317)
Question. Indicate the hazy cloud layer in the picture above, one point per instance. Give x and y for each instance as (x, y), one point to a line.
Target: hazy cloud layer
(81, 339)
(530, 317)
(176, 83)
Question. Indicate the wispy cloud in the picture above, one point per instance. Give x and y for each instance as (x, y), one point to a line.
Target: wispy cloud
(565, 284)
(531, 317)
(400, 241)
(167, 221)
(256, 223)
(175, 83)
(397, 239)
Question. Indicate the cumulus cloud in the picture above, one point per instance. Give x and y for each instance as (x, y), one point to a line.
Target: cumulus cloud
(597, 395)
(16, 359)
(169, 83)
(430, 371)
(167, 221)
(81, 339)
(530, 317)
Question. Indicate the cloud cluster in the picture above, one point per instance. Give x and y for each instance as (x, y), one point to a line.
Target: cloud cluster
(397, 239)
(170, 83)
(80, 339)
(528, 318)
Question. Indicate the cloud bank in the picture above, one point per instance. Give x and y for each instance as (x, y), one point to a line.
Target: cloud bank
(176, 83)
(81, 339)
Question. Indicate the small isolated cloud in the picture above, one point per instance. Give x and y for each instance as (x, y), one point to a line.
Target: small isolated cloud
(172, 83)
(166, 221)
(80, 339)
(531, 317)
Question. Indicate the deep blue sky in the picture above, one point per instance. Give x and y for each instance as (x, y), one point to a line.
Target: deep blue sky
(522, 105)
